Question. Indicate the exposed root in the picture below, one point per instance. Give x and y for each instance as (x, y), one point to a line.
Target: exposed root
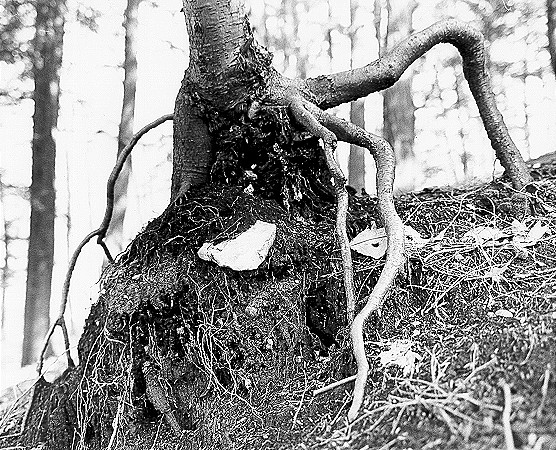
(385, 162)
(100, 232)
(157, 396)
(308, 120)
(506, 415)
(332, 90)
(329, 127)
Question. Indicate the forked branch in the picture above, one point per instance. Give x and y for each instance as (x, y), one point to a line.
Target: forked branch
(100, 232)
(332, 90)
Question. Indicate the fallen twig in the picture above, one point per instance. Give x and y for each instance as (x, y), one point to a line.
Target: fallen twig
(306, 388)
(334, 385)
(544, 390)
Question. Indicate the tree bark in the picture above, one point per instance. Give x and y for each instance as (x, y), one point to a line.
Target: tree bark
(225, 69)
(125, 132)
(47, 60)
(398, 107)
(5, 264)
(551, 21)
(356, 163)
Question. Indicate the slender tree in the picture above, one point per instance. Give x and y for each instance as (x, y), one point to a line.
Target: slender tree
(6, 251)
(356, 164)
(399, 111)
(125, 132)
(551, 21)
(46, 60)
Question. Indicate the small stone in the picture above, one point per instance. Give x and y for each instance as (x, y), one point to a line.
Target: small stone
(245, 252)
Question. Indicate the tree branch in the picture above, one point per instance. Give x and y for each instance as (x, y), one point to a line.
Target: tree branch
(101, 233)
(331, 90)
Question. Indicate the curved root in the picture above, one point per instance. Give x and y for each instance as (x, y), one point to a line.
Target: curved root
(100, 233)
(326, 125)
(308, 120)
(334, 89)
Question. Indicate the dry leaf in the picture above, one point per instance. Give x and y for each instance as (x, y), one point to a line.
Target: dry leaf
(484, 234)
(537, 232)
(519, 228)
(413, 239)
(374, 243)
(532, 236)
(370, 242)
(496, 273)
(439, 236)
(401, 355)
(504, 313)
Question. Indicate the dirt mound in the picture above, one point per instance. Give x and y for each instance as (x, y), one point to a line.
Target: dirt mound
(180, 352)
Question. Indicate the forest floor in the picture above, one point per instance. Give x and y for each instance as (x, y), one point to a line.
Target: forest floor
(463, 354)
(477, 316)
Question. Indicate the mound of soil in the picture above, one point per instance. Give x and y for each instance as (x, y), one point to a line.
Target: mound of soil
(180, 353)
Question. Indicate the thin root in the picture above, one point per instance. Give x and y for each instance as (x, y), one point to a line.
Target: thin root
(298, 107)
(329, 128)
(100, 232)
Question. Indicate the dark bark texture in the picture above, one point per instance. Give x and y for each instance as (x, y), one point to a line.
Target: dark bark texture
(551, 22)
(47, 60)
(125, 130)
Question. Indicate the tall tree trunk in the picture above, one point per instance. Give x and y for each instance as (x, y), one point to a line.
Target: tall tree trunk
(551, 21)
(300, 54)
(213, 56)
(399, 110)
(47, 60)
(356, 163)
(6, 251)
(125, 132)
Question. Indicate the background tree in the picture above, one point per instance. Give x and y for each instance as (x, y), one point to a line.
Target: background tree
(6, 238)
(46, 60)
(356, 164)
(125, 130)
(398, 107)
(551, 21)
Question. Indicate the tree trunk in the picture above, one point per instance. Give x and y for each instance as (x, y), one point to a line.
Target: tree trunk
(225, 30)
(47, 60)
(125, 131)
(399, 111)
(551, 21)
(356, 163)
(6, 259)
